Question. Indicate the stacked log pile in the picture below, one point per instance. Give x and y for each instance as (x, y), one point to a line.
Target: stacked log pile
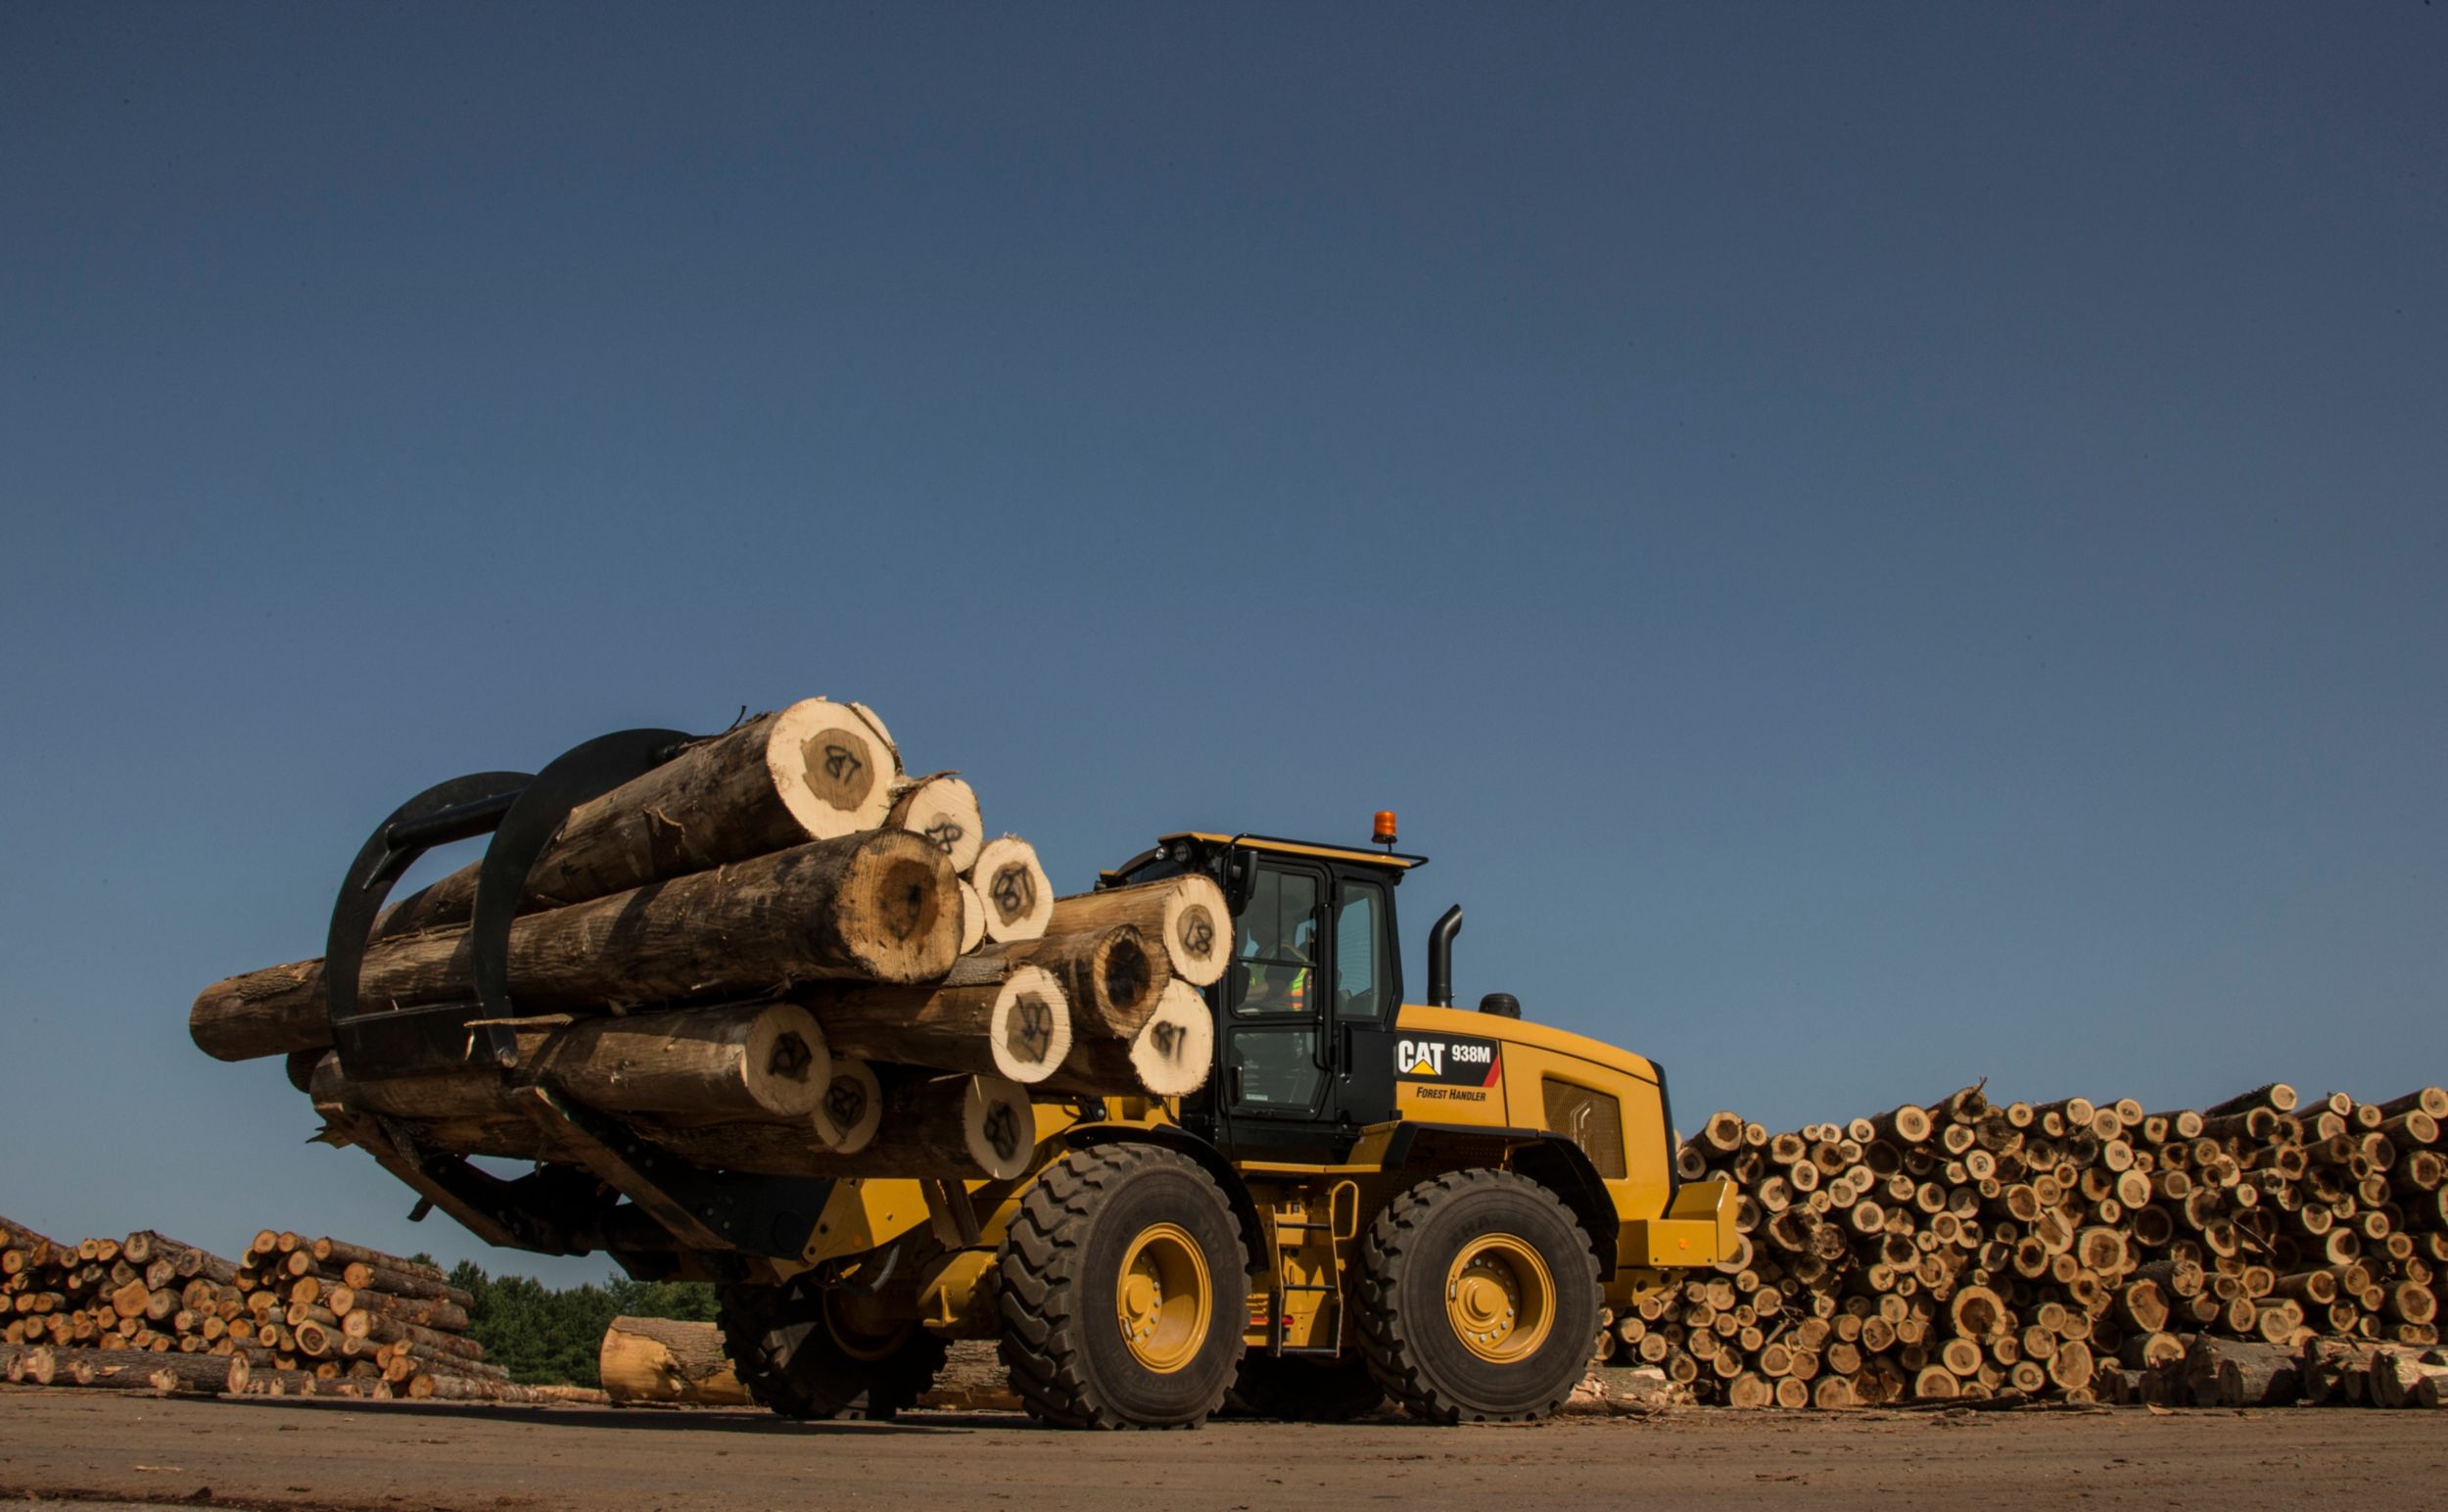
(2266, 1248)
(292, 1316)
(776, 954)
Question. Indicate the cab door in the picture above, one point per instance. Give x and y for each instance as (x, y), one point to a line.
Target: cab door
(1305, 1055)
(1273, 1055)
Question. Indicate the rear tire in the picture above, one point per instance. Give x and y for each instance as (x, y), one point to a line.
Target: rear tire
(799, 1357)
(1479, 1298)
(1123, 1289)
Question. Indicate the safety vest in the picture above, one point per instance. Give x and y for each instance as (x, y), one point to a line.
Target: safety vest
(1297, 995)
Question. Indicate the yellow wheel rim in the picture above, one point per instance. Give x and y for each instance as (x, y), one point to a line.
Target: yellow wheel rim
(1163, 1299)
(1500, 1298)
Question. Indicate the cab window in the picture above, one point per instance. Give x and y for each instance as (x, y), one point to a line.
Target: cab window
(1275, 958)
(1359, 952)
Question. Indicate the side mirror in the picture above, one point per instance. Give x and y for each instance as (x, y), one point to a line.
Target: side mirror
(1240, 878)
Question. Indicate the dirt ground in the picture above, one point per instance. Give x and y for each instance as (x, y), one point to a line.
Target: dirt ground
(401, 1457)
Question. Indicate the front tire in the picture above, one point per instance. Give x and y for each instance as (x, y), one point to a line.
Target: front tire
(1123, 1287)
(1479, 1297)
(799, 1356)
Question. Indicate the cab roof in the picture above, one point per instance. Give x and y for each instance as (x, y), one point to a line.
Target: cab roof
(1392, 860)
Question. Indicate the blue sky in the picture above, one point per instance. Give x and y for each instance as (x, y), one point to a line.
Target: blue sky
(1876, 546)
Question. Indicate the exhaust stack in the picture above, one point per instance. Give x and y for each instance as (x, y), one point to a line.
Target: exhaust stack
(1441, 956)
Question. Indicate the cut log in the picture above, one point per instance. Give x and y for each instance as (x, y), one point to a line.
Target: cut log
(871, 907)
(423, 1311)
(769, 1060)
(1018, 1028)
(363, 1277)
(427, 1342)
(2401, 1381)
(1976, 1312)
(1110, 977)
(2432, 1101)
(763, 1062)
(1019, 900)
(852, 1109)
(663, 1362)
(1170, 1056)
(139, 1370)
(1183, 915)
(341, 1254)
(815, 771)
(952, 1133)
(2277, 1096)
(942, 810)
(973, 918)
(973, 1128)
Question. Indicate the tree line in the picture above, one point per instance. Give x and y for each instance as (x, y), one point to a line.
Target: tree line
(545, 1336)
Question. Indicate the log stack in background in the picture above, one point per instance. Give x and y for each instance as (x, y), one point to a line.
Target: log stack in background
(774, 953)
(294, 1316)
(2264, 1249)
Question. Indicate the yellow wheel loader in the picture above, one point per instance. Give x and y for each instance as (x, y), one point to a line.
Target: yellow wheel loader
(1370, 1198)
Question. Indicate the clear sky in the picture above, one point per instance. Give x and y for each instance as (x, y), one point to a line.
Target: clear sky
(1874, 546)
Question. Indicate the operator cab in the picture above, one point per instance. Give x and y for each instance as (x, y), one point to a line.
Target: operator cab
(1304, 1015)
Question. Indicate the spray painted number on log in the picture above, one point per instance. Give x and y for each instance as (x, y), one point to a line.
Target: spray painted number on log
(1167, 1039)
(845, 1101)
(1198, 930)
(1452, 1059)
(947, 833)
(1014, 892)
(1032, 1028)
(1003, 1130)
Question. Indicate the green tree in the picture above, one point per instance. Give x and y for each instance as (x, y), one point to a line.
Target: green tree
(543, 1337)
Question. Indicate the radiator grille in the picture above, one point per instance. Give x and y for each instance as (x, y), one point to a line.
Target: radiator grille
(1590, 1120)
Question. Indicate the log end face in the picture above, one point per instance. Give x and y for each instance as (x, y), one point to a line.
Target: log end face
(1001, 1128)
(830, 767)
(1019, 897)
(1175, 1048)
(852, 1107)
(1198, 931)
(788, 1065)
(900, 916)
(1030, 1031)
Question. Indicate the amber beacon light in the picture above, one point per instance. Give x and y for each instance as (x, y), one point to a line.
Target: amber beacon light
(1383, 831)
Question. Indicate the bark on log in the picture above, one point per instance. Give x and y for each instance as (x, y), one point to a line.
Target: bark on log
(1019, 898)
(343, 1253)
(2428, 1100)
(973, 1128)
(870, 906)
(136, 1370)
(1018, 1028)
(427, 1312)
(2277, 1097)
(363, 1277)
(769, 1060)
(1184, 917)
(1111, 977)
(661, 1360)
(815, 771)
(427, 1342)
